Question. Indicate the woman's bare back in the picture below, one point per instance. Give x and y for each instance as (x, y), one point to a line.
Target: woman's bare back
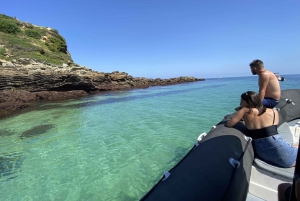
(253, 121)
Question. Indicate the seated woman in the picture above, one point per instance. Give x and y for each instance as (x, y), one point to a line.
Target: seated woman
(262, 124)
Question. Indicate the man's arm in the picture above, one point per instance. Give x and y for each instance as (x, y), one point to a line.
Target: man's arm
(237, 117)
(263, 83)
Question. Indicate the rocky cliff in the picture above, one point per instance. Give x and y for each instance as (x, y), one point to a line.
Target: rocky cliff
(32, 75)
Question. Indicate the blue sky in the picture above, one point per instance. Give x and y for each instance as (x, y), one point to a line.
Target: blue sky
(171, 38)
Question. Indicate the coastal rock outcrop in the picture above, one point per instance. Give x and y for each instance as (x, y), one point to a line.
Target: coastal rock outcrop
(32, 75)
(26, 80)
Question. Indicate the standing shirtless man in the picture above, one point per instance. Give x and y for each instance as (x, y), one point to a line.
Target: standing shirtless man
(269, 88)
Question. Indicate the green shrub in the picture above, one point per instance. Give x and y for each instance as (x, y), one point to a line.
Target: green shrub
(5, 17)
(8, 26)
(28, 25)
(2, 50)
(54, 30)
(42, 51)
(10, 40)
(42, 32)
(33, 33)
(56, 45)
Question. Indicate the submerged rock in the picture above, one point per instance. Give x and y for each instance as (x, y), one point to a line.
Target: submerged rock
(15, 100)
(4, 132)
(37, 130)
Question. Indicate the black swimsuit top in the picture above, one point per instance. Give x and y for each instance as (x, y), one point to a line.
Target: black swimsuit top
(263, 132)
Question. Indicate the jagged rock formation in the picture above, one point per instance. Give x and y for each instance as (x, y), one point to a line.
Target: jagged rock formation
(32, 75)
(26, 80)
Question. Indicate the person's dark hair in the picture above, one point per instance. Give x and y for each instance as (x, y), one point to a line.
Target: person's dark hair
(253, 100)
(257, 63)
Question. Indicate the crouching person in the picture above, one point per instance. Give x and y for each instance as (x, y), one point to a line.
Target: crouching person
(261, 123)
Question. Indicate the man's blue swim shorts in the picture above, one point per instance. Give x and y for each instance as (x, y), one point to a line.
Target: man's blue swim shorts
(269, 102)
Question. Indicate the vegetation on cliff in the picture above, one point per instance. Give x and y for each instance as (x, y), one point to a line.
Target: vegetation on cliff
(24, 40)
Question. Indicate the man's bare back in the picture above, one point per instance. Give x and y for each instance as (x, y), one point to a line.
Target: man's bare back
(269, 88)
(272, 89)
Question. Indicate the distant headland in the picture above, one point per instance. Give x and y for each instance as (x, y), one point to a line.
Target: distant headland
(35, 65)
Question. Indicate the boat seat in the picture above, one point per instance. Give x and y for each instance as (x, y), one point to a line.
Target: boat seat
(284, 172)
(295, 128)
(294, 122)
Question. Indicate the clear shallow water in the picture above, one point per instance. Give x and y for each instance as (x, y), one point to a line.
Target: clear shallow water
(113, 146)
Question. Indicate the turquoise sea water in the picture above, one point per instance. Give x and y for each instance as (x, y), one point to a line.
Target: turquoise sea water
(113, 146)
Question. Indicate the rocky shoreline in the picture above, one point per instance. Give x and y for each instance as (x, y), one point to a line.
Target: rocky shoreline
(24, 81)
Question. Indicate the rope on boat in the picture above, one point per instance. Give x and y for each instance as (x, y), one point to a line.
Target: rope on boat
(236, 163)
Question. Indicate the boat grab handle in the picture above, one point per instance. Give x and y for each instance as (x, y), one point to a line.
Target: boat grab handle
(234, 163)
(166, 175)
(289, 101)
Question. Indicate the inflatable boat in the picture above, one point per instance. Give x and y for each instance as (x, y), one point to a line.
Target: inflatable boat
(221, 165)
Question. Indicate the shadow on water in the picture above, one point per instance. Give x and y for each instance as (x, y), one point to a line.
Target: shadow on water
(4, 132)
(37, 130)
(9, 164)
